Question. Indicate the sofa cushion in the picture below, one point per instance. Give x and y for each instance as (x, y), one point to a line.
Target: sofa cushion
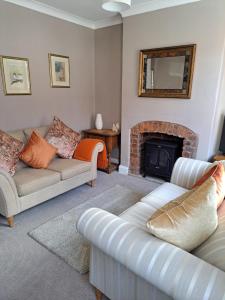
(41, 130)
(63, 138)
(138, 214)
(38, 153)
(29, 180)
(19, 135)
(163, 194)
(69, 167)
(10, 148)
(188, 220)
(218, 173)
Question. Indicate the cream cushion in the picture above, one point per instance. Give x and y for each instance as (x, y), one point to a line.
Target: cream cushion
(41, 130)
(139, 213)
(188, 220)
(29, 180)
(68, 168)
(163, 194)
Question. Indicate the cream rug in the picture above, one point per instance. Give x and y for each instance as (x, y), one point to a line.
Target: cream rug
(59, 235)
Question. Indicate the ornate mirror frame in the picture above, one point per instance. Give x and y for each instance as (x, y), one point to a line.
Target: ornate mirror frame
(188, 51)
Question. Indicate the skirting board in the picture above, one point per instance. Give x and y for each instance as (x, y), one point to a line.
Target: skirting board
(123, 170)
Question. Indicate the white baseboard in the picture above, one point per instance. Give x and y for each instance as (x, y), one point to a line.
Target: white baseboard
(123, 170)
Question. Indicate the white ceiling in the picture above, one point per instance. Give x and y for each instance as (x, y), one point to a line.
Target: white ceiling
(89, 13)
(88, 9)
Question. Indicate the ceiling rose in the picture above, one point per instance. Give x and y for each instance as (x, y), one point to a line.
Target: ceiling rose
(116, 5)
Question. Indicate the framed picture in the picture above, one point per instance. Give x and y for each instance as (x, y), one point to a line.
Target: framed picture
(59, 68)
(15, 75)
(167, 72)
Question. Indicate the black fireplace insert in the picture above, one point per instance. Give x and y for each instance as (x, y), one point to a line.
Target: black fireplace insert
(160, 155)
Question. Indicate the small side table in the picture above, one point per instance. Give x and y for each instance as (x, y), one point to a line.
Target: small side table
(112, 141)
(218, 157)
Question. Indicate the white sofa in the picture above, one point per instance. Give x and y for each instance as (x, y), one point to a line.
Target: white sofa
(128, 263)
(30, 187)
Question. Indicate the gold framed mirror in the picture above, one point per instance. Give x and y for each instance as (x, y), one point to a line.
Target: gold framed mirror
(166, 72)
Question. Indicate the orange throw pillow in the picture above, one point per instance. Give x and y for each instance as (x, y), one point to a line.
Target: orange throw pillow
(218, 173)
(38, 153)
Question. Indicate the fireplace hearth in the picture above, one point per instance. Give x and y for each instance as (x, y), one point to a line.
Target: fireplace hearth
(173, 133)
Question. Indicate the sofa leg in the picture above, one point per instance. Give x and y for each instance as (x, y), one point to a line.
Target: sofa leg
(98, 294)
(10, 221)
(92, 183)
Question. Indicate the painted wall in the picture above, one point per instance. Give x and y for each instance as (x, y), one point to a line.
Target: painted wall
(108, 73)
(202, 23)
(25, 33)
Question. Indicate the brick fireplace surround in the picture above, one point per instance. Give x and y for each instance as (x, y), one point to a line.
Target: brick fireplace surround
(190, 140)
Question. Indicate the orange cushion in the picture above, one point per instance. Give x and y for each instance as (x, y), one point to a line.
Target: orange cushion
(218, 173)
(38, 153)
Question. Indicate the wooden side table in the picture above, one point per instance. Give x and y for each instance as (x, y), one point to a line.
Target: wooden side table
(112, 141)
(218, 157)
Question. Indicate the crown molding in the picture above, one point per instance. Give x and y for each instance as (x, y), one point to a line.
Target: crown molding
(54, 12)
(63, 15)
(108, 22)
(154, 5)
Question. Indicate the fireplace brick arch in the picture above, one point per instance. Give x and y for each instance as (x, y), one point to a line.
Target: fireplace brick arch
(190, 140)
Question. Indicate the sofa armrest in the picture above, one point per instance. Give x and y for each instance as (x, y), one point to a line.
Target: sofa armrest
(94, 158)
(9, 203)
(177, 273)
(187, 171)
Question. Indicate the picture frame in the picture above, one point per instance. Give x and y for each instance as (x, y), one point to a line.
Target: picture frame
(15, 75)
(59, 70)
(166, 72)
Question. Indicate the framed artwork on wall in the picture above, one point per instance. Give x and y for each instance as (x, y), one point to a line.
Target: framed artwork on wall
(15, 75)
(59, 69)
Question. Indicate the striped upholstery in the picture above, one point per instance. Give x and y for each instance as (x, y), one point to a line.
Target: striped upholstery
(163, 194)
(213, 249)
(187, 171)
(128, 263)
(139, 213)
(175, 272)
(119, 283)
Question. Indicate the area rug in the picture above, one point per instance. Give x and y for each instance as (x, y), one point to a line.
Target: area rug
(59, 234)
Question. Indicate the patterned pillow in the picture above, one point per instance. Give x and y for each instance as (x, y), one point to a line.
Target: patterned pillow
(63, 138)
(9, 152)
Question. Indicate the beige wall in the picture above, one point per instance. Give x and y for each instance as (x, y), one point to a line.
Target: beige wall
(108, 73)
(26, 33)
(202, 23)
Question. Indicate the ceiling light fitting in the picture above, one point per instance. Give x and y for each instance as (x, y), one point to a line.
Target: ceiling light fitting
(116, 5)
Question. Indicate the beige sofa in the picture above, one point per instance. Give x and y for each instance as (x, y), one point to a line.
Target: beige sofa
(29, 187)
(128, 263)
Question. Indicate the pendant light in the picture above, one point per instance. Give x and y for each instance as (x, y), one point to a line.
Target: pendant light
(116, 5)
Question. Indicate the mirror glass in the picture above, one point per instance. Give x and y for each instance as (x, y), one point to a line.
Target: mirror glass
(165, 72)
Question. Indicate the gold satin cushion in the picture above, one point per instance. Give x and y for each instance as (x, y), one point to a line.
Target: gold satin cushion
(218, 173)
(188, 220)
(38, 153)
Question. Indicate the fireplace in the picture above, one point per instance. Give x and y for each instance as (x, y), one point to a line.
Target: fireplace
(160, 154)
(186, 139)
